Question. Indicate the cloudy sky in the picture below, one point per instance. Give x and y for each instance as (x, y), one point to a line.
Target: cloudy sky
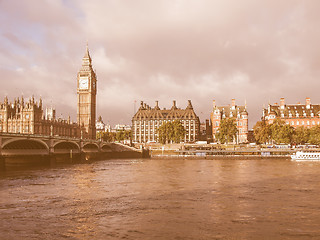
(203, 50)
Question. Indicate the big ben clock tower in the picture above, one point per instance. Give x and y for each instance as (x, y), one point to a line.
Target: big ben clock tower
(87, 91)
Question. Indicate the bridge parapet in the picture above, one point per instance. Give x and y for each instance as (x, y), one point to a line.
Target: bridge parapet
(26, 144)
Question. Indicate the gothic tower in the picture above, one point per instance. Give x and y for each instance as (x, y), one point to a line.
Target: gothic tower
(87, 91)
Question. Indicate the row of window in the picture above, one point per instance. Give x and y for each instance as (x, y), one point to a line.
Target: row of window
(238, 116)
(155, 131)
(156, 125)
(162, 121)
(290, 115)
(302, 123)
(138, 134)
(238, 124)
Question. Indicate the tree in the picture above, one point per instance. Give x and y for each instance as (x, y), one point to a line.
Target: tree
(261, 131)
(123, 135)
(171, 132)
(227, 131)
(107, 136)
(301, 135)
(179, 131)
(281, 132)
(314, 137)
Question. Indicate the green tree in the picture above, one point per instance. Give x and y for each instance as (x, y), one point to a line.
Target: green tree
(179, 131)
(123, 135)
(301, 135)
(171, 132)
(281, 132)
(107, 136)
(227, 131)
(261, 131)
(314, 137)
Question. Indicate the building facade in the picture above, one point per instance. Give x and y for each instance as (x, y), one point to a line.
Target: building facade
(28, 118)
(87, 91)
(238, 113)
(100, 126)
(296, 115)
(147, 120)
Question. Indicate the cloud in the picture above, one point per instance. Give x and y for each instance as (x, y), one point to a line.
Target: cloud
(254, 51)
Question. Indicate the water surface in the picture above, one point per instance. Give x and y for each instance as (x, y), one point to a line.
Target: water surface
(163, 199)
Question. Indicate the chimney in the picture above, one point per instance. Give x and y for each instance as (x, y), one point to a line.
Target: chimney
(189, 105)
(233, 104)
(308, 103)
(282, 103)
(157, 105)
(214, 103)
(174, 106)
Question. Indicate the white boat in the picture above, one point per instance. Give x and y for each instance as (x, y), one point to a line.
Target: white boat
(305, 156)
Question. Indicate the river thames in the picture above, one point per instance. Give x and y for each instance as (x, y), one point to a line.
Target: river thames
(163, 199)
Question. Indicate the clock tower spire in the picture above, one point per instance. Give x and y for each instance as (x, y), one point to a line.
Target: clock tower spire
(87, 92)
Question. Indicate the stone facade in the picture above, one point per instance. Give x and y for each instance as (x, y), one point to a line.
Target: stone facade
(87, 91)
(147, 120)
(27, 117)
(100, 126)
(306, 115)
(238, 113)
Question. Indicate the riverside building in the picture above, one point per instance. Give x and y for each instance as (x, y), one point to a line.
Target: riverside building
(147, 120)
(27, 117)
(238, 113)
(296, 115)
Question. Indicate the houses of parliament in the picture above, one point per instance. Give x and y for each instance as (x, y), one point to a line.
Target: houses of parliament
(27, 116)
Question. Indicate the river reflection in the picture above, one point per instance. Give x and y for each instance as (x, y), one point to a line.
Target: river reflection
(163, 199)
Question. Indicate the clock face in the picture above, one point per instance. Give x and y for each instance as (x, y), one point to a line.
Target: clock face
(83, 83)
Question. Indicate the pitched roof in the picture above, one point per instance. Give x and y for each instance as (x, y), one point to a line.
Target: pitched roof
(301, 109)
(146, 112)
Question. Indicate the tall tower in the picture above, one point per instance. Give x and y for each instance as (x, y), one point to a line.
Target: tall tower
(87, 91)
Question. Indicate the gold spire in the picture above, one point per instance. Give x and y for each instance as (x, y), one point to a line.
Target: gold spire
(87, 54)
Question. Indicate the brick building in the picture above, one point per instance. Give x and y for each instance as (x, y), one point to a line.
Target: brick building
(306, 115)
(238, 113)
(147, 120)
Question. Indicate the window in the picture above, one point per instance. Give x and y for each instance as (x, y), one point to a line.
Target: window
(302, 123)
(297, 122)
(292, 122)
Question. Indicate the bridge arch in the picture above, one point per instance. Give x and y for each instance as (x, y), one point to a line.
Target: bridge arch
(66, 145)
(91, 146)
(106, 148)
(24, 143)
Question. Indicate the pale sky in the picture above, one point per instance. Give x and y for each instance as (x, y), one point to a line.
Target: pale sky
(251, 50)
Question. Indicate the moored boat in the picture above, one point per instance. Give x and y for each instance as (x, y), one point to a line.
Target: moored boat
(305, 156)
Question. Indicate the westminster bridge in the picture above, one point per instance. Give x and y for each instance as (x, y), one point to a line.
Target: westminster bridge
(28, 149)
